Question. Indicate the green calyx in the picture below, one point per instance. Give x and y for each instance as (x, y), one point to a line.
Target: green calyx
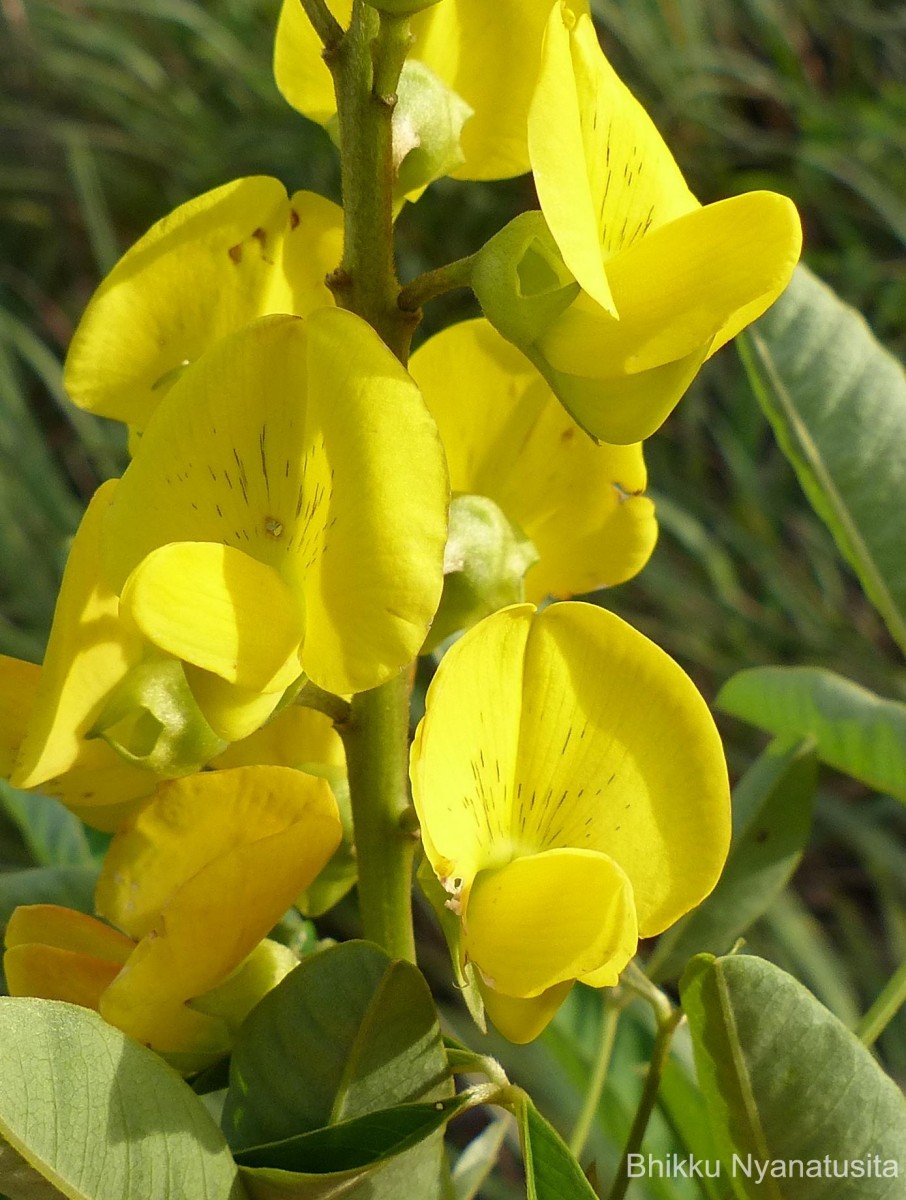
(521, 281)
(485, 563)
(152, 720)
(427, 126)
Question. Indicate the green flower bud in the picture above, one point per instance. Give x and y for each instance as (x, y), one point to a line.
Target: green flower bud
(485, 562)
(235, 998)
(427, 127)
(153, 721)
(521, 281)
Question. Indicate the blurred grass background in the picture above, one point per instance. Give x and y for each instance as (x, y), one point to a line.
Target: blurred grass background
(114, 111)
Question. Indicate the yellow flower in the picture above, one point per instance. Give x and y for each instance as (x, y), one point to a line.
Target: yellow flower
(486, 53)
(49, 740)
(507, 438)
(285, 513)
(194, 883)
(627, 284)
(211, 266)
(573, 797)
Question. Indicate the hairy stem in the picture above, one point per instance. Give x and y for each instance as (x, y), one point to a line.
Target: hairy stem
(436, 283)
(366, 68)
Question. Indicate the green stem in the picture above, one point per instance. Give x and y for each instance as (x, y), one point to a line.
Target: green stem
(610, 1019)
(666, 1027)
(884, 1009)
(366, 68)
(326, 26)
(335, 707)
(436, 283)
(376, 738)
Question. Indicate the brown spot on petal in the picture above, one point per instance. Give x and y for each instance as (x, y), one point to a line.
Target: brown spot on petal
(235, 253)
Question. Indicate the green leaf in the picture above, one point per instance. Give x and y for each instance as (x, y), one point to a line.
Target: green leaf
(362, 1142)
(95, 1116)
(772, 817)
(837, 402)
(348, 1032)
(784, 1080)
(415, 1174)
(551, 1171)
(855, 731)
(72, 887)
(55, 837)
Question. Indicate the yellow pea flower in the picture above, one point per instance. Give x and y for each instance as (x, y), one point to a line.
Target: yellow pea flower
(573, 797)
(506, 437)
(627, 284)
(285, 513)
(211, 266)
(486, 53)
(191, 886)
(49, 741)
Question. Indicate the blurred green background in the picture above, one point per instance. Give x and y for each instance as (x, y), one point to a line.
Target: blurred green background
(115, 111)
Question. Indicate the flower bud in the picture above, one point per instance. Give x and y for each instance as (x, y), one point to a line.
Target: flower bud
(234, 999)
(485, 562)
(153, 721)
(427, 126)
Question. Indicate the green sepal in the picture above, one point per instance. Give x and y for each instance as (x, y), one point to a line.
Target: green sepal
(485, 563)
(153, 721)
(427, 126)
(521, 281)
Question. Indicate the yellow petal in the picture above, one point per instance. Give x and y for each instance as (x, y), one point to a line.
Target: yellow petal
(217, 913)
(219, 609)
(100, 787)
(464, 756)
(293, 738)
(89, 652)
(521, 1020)
(489, 54)
(507, 437)
(627, 408)
(371, 593)
(617, 753)
(320, 461)
(234, 713)
(199, 820)
(18, 687)
(66, 929)
(51, 973)
(301, 73)
(154, 311)
(705, 274)
(312, 248)
(549, 918)
(603, 174)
